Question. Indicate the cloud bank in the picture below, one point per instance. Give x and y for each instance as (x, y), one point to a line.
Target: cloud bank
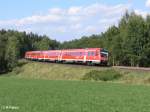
(73, 22)
(147, 3)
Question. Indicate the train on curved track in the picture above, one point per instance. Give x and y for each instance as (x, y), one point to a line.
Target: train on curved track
(89, 56)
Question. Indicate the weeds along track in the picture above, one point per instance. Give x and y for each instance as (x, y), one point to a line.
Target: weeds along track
(97, 66)
(77, 65)
(133, 68)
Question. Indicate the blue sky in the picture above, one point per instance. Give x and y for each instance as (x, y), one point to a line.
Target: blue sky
(66, 19)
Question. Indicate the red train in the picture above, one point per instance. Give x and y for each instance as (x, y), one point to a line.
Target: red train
(88, 56)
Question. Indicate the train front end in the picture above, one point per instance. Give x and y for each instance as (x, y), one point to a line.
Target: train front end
(104, 56)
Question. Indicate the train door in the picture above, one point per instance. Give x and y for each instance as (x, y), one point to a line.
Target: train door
(60, 55)
(89, 56)
(85, 57)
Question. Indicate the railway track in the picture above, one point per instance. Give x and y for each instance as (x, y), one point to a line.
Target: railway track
(133, 68)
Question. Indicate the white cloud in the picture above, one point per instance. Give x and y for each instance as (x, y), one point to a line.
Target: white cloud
(61, 29)
(147, 3)
(70, 22)
(74, 10)
(32, 20)
(109, 21)
(76, 26)
(91, 29)
(140, 12)
(56, 11)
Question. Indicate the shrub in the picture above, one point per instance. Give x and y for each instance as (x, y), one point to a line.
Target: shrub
(105, 75)
(17, 70)
(147, 80)
(21, 63)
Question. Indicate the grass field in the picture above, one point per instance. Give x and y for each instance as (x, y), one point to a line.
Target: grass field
(62, 90)
(71, 96)
(52, 71)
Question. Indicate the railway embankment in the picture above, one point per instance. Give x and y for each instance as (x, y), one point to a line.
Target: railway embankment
(56, 71)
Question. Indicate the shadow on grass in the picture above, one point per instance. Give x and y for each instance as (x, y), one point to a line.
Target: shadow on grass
(15, 69)
(3, 72)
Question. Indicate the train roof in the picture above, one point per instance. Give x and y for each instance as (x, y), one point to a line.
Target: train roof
(84, 49)
(66, 50)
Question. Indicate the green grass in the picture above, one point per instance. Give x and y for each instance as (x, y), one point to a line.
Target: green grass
(25, 89)
(72, 96)
(135, 77)
(105, 75)
(52, 71)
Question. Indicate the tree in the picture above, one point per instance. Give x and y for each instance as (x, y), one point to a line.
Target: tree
(12, 52)
(3, 41)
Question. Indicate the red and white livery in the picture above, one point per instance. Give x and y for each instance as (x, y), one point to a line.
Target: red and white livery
(88, 55)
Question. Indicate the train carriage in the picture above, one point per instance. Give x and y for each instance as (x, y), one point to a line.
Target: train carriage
(89, 55)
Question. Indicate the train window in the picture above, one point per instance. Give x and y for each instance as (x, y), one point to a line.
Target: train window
(93, 53)
(76, 53)
(49, 54)
(89, 53)
(104, 53)
(68, 53)
(83, 53)
(65, 53)
(80, 53)
(72, 54)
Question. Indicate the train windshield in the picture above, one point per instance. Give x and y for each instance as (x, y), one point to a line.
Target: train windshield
(104, 53)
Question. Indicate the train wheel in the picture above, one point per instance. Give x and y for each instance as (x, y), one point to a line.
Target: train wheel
(57, 61)
(89, 63)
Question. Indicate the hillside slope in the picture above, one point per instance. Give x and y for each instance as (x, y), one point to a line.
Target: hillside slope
(52, 71)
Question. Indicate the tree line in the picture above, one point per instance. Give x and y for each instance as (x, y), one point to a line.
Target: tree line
(14, 44)
(128, 43)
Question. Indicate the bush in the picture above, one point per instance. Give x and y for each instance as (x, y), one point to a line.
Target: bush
(105, 75)
(21, 62)
(17, 70)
